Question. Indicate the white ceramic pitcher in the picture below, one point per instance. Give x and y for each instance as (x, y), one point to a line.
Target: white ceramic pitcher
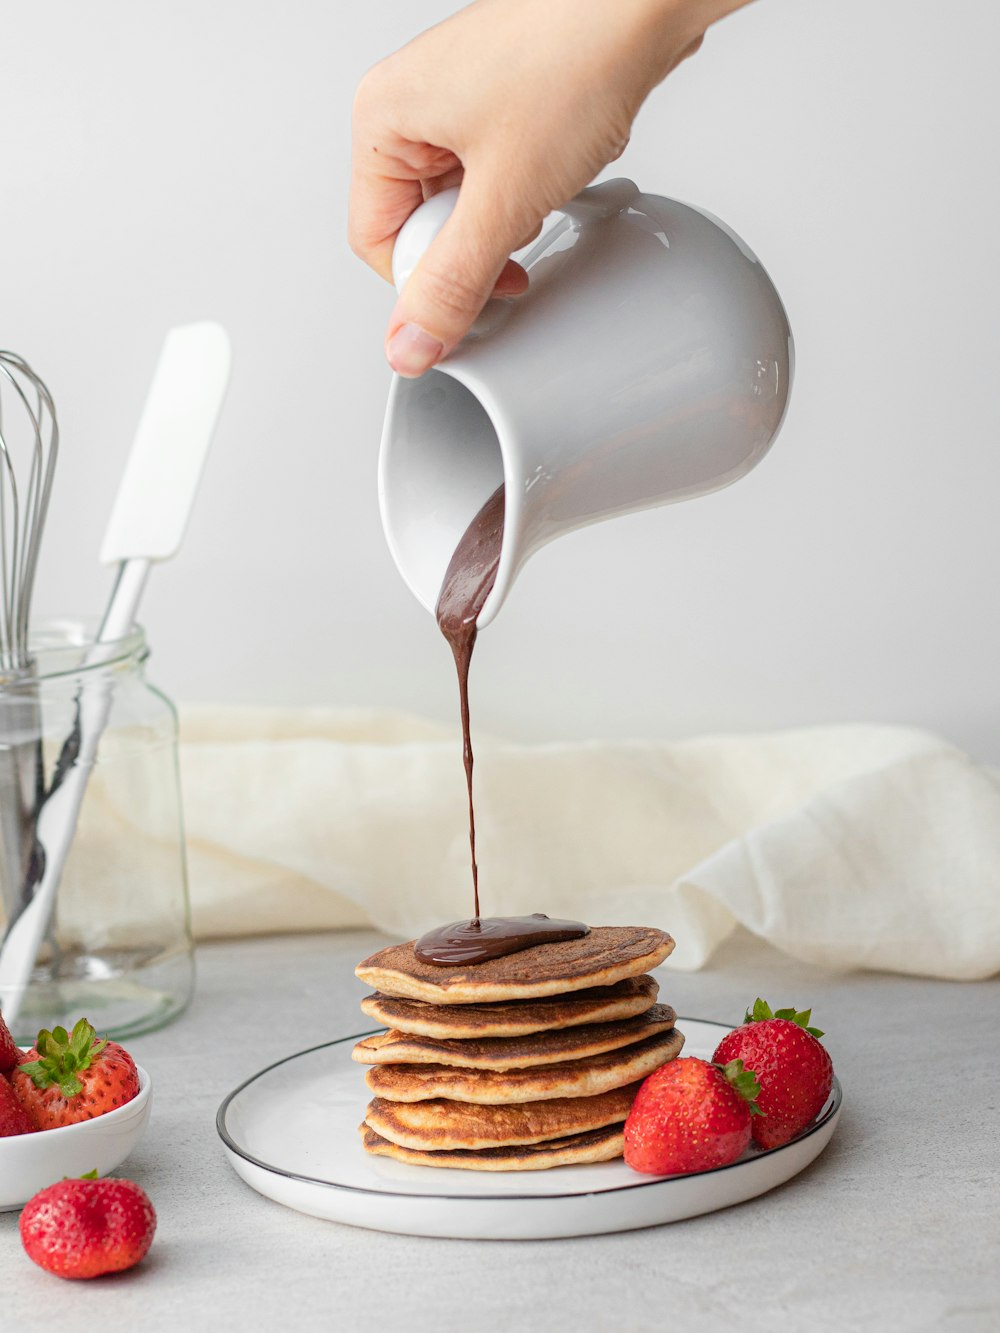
(649, 361)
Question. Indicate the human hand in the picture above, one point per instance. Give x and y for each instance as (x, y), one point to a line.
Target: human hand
(523, 103)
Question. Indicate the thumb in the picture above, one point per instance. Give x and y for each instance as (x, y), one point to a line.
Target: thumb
(453, 280)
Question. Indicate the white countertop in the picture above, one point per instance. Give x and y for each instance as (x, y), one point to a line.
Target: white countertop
(894, 1228)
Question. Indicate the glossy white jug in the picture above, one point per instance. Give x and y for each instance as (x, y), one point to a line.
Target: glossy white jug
(649, 361)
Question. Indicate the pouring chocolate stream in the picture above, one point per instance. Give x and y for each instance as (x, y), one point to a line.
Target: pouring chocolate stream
(468, 582)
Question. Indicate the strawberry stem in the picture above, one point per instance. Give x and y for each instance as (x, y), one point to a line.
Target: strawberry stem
(62, 1055)
(761, 1012)
(744, 1081)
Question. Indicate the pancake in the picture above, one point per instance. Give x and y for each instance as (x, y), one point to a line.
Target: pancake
(607, 955)
(600, 1145)
(514, 1018)
(494, 1087)
(540, 1048)
(445, 1126)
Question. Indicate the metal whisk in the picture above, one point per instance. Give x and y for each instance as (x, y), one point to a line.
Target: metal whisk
(29, 445)
(31, 430)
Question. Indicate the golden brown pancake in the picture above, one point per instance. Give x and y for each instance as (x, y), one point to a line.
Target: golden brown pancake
(599, 1145)
(494, 1087)
(607, 955)
(514, 1018)
(541, 1048)
(445, 1126)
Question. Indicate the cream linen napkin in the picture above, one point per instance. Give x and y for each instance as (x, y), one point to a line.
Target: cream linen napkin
(849, 846)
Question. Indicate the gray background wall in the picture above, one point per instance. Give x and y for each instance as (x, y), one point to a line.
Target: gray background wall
(164, 162)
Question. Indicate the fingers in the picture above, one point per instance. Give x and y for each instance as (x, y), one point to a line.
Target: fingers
(529, 236)
(513, 280)
(445, 181)
(467, 262)
(390, 177)
(378, 209)
(379, 206)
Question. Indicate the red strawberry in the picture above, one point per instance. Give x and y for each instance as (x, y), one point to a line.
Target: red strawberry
(72, 1076)
(83, 1228)
(13, 1116)
(10, 1052)
(690, 1115)
(794, 1070)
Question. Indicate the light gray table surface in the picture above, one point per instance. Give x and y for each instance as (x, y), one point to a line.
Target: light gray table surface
(894, 1227)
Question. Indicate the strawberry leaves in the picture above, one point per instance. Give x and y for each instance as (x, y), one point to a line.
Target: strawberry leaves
(761, 1012)
(744, 1081)
(62, 1055)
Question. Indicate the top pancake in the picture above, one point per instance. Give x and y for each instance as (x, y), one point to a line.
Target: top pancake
(514, 1018)
(607, 955)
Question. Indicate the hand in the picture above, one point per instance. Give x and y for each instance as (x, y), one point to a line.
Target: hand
(523, 102)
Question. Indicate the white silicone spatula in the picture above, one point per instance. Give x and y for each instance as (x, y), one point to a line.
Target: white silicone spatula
(147, 524)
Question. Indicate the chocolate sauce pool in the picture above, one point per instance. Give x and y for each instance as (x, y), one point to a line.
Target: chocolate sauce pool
(468, 582)
(492, 937)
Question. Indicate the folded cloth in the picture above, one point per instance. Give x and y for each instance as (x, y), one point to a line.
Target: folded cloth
(848, 846)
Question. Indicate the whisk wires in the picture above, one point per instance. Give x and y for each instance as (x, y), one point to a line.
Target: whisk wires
(29, 438)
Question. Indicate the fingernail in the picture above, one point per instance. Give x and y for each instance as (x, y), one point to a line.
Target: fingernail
(412, 350)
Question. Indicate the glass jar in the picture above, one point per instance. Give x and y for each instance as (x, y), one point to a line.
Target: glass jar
(117, 946)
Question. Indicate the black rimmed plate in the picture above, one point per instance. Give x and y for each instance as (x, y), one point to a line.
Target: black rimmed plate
(291, 1132)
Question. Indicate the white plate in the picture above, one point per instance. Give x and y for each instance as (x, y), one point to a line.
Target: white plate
(29, 1162)
(291, 1132)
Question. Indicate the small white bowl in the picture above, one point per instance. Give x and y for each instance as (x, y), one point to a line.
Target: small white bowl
(30, 1162)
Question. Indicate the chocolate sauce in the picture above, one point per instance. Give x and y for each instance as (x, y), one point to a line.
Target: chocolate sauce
(468, 582)
(492, 937)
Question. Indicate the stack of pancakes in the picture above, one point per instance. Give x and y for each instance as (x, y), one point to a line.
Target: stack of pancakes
(522, 1062)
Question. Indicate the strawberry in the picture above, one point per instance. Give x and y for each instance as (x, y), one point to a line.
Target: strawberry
(794, 1070)
(13, 1116)
(10, 1052)
(69, 1077)
(690, 1115)
(83, 1228)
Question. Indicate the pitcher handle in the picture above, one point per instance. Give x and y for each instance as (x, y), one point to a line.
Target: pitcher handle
(422, 226)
